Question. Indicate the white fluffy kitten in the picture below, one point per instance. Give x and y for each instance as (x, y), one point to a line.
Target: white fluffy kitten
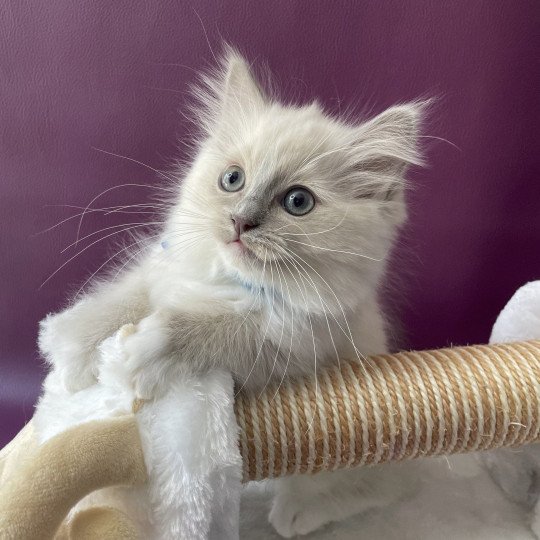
(268, 264)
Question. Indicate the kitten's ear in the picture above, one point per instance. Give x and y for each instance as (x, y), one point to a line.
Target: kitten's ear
(227, 95)
(384, 148)
(240, 92)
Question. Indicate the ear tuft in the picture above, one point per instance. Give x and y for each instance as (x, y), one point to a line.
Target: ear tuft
(384, 147)
(226, 94)
(239, 89)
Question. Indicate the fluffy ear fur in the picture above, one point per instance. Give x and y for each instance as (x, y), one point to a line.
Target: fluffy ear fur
(240, 89)
(228, 95)
(383, 148)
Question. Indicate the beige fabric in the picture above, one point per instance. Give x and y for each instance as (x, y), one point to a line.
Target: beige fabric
(52, 478)
(13, 454)
(101, 523)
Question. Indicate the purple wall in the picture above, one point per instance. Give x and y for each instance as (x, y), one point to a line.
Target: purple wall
(112, 75)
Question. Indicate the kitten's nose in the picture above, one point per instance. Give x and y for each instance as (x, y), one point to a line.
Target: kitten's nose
(242, 225)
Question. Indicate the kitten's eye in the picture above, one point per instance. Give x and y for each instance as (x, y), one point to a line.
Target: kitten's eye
(298, 201)
(232, 179)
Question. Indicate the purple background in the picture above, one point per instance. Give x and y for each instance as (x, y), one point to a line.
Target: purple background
(113, 75)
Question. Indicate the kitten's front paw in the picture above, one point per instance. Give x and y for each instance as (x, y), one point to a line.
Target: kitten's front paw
(146, 346)
(294, 515)
(62, 345)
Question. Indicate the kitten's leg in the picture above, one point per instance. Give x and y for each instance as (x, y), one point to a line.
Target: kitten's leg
(68, 340)
(167, 345)
(303, 503)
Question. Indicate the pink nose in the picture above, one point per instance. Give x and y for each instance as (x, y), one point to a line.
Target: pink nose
(242, 225)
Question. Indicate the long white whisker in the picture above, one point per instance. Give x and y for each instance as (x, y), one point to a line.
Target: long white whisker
(318, 232)
(324, 309)
(89, 211)
(304, 296)
(292, 334)
(348, 335)
(100, 195)
(336, 250)
(128, 227)
(110, 259)
(76, 255)
(282, 331)
(262, 342)
(157, 171)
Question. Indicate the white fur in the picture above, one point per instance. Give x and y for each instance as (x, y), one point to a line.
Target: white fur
(302, 293)
(444, 503)
(189, 440)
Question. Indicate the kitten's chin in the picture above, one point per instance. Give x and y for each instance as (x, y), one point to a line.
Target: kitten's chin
(240, 258)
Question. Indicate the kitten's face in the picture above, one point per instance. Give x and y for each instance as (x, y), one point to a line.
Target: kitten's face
(294, 200)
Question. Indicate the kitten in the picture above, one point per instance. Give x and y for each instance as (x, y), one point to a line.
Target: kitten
(268, 263)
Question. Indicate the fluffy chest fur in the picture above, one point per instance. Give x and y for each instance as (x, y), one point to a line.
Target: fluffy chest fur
(301, 339)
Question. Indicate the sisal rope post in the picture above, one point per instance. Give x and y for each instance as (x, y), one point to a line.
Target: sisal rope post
(387, 408)
(393, 407)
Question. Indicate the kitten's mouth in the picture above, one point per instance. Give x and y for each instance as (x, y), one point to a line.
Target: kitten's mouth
(242, 250)
(239, 246)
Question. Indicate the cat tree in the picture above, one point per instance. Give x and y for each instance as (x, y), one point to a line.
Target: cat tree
(386, 408)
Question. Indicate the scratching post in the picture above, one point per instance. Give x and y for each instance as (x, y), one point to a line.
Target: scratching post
(393, 407)
(385, 408)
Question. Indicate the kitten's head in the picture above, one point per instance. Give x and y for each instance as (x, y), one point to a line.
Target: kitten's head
(294, 199)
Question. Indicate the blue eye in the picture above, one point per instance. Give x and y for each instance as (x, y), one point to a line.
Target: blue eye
(233, 179)
(298, 201)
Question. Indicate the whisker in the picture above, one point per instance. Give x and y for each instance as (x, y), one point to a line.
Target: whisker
(76, 255)
(91, 210)
(336, 250)
(349, 336)
(310, 424)
(292, 334)
(133, 160)
(253, 303)
(128, 226)
(100, 195)
(110, 259)
(324, 309)
(262, 341)
(318, 232)
(282, 331)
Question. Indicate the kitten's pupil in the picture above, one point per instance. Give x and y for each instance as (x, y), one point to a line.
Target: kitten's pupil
(298, 200)
(233, 177)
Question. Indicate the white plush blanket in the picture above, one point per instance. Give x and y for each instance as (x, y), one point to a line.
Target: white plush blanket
(190, 442)
(448, 506)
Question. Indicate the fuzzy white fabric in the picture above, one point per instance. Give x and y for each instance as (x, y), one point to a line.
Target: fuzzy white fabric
(190, 442)
(520, 318)
(446, 505)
